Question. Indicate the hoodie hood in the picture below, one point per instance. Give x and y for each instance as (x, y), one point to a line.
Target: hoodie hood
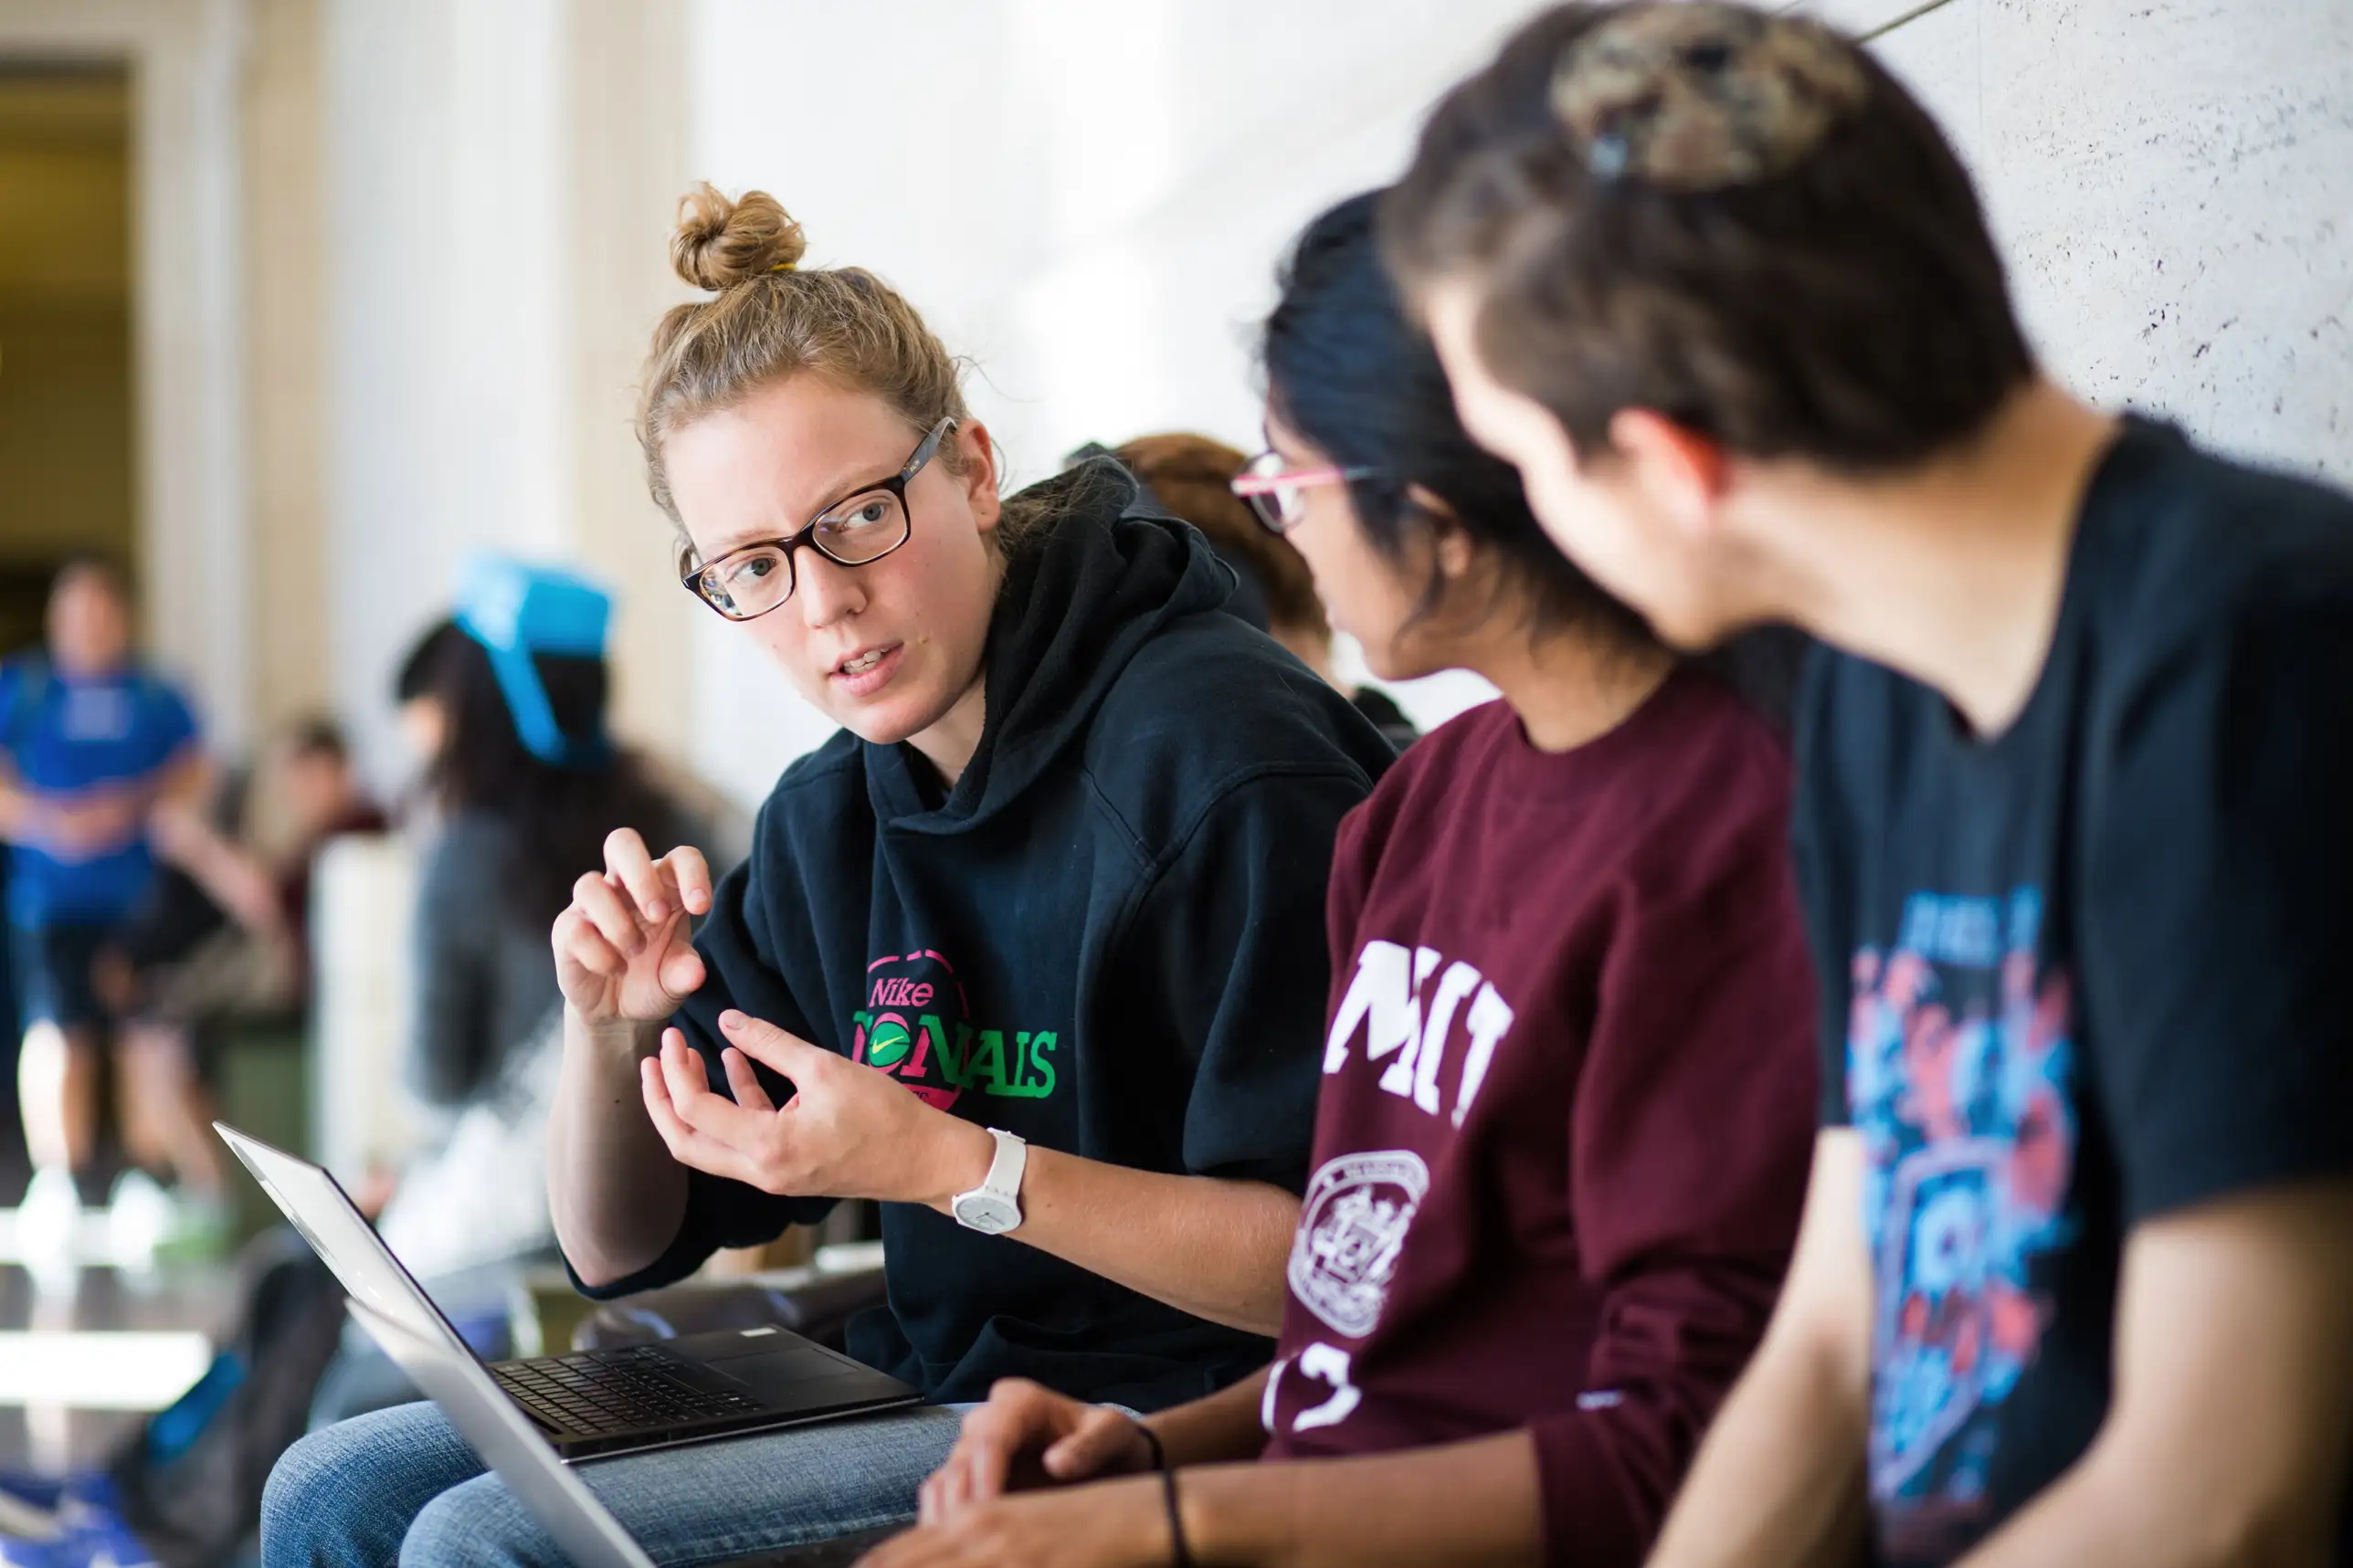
(1111, 571)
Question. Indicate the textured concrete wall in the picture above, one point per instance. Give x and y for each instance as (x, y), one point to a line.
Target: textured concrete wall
(2173, 181)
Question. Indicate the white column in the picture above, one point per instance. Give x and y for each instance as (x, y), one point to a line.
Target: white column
(497, 171)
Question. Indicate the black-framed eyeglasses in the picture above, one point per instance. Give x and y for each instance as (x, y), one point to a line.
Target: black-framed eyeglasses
(1273, 490)
(858, 531)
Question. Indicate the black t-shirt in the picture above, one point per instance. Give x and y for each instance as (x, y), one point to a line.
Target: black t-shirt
(2082, 974)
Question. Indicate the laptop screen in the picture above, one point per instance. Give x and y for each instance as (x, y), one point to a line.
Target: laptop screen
(317, 1208)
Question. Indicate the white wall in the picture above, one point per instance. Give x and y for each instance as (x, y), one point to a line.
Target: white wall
(1088, 199)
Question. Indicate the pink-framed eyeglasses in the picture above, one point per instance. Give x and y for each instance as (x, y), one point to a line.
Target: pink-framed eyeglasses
(1274, 492)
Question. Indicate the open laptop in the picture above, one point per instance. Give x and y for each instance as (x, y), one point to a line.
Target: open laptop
(519, 1452)
(621, 1400)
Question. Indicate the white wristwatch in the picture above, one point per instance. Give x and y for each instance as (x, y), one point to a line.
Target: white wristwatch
(993, 1207)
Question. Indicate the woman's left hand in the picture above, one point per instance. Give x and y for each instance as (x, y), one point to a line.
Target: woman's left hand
(1108, 1524)
(846, 1133)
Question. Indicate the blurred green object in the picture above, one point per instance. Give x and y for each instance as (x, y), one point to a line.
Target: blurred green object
(546, 1311)
(264, 1090)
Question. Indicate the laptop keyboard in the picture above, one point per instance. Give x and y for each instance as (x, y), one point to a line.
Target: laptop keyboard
(626, 1389)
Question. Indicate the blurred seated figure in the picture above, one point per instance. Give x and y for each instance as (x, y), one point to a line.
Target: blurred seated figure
(524, 788)
(521, 784)
(1192, 476)
(187, 966)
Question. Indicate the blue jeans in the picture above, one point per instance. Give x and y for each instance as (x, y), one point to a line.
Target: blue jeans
(400, 1486)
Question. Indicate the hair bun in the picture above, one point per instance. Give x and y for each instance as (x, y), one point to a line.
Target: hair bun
(1701, 95)
(721, 243)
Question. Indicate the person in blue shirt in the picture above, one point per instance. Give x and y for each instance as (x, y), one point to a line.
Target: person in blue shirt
(100, 771)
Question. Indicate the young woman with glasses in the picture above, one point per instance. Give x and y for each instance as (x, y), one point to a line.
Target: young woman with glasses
(1568, 1095)
(1032, 953)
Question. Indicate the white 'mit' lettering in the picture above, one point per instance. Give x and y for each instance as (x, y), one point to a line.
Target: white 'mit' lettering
(1416, 1070)
(1385, 1000)
(1385, 994)
(1490, 1017)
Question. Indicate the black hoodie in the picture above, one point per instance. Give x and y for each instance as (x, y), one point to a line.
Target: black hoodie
(1108, 938)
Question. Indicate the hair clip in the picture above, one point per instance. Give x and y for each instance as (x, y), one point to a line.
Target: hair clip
(1698, 95)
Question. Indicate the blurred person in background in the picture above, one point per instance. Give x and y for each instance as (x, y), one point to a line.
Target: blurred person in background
(1193, 476)
(1543, 1234)
(2075, 1278)
(315, 796)
(423, 716)
(182, 970)
(101, 772)
(1030, 953)
(521, 783)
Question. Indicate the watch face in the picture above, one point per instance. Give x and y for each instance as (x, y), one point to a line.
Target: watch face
(987, 1212)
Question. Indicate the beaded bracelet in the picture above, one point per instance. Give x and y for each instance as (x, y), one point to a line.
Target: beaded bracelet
(1179, 1555)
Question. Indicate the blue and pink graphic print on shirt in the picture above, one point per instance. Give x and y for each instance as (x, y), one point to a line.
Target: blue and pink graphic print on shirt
(1960, 1077)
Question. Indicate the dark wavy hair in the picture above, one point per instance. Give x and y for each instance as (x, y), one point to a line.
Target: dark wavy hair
(1346, 369)
(559, 816)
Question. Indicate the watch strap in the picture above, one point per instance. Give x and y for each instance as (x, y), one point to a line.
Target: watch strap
(999, 1190)
(1005, 1168)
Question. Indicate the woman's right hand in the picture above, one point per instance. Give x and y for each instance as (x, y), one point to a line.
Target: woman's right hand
(623, 951)
(1024, 1425)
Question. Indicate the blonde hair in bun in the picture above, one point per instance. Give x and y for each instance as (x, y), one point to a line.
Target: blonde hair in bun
(767, 320)
(720, 242)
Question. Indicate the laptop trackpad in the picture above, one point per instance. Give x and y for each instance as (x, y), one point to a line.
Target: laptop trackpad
(779, 1365)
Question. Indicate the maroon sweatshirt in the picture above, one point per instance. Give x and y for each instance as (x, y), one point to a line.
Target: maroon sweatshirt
(1568, 1107)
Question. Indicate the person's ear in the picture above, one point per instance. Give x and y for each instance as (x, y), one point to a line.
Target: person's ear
(979, 476)
(1450, 545)
(1683, 474)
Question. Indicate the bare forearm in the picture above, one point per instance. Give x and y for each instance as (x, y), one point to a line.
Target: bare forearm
(616, 1197)
(232, 879)
(2106, 1511)
(174, 799)
(1470, 1505)
(2227, 1435)
(1209, 1246)
(1222, 1428)
(1779, 1480)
